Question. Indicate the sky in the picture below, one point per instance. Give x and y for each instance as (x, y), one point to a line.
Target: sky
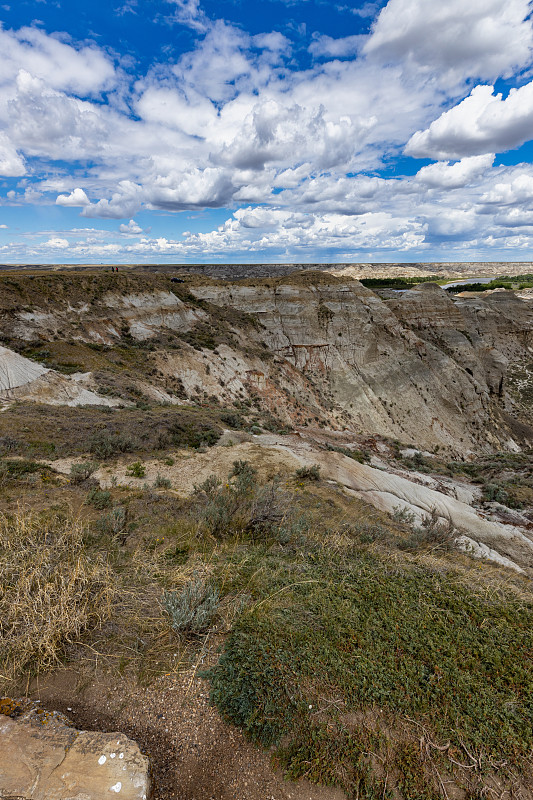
(305, 131)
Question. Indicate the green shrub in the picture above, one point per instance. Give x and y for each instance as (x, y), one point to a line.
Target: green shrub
(82, 472)
(104, 444)
(114, 522)
(493, 493)
(308, 473)
(19, 467)
(185, 433)
(208, 487)
(362, 456)
(98, 498)
(192, 609)
(433, 532)
(161, 482)
(232, 420)
(136, 470)
(242, 506)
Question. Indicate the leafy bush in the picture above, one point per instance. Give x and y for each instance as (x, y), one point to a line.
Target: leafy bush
(82, 472)
(242, 506)
(98, 498)
(403, 515)
(432, 532)
(104, 444)
(8, 444)
(208, 487)
(362, 456)
(308, 473)
(185, 433)
(232, 420)
(136, 470)
(493, 493)
(20, 467)
(114, 522)
(270, 508)
(192, 609)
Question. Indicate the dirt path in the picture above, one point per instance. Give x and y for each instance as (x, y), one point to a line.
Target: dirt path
(194, 754)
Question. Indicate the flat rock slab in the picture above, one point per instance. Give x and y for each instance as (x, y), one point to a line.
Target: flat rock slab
(43, 758)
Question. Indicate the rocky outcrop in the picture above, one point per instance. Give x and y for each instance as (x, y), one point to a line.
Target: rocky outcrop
(482, 333)
(43, 758)
(23, 379)
(379, 371)
(140, 315)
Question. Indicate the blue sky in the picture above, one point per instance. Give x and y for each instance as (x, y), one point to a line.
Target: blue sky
(287, 130)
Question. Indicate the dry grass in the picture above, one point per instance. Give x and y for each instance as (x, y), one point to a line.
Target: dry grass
(51, 589)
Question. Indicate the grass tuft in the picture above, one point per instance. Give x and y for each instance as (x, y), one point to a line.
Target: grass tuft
(51, 590)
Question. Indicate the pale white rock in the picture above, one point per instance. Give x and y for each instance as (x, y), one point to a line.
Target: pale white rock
(16, 370)
(23, 379)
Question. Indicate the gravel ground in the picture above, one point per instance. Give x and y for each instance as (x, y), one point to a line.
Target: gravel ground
(193, 753)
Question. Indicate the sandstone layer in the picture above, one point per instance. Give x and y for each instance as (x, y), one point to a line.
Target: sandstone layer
(43, 758)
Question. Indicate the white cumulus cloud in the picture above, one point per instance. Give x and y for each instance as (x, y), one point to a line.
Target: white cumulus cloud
(481, 123)
(443, 175)
(11, 162)
(131, 228)
(61, 64)
(480, 38)
(76, 198)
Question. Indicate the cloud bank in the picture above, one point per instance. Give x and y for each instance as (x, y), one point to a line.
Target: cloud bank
(297, 153)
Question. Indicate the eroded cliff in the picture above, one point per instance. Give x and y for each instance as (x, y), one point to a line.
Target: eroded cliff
(310, 348)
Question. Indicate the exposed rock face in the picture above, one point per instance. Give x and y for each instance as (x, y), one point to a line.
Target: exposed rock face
(407, 368)
(23, 379)
(421, 367)
(482, 334)
(42, 758)
(140, 315)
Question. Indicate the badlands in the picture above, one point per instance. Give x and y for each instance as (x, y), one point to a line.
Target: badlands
(273, 527)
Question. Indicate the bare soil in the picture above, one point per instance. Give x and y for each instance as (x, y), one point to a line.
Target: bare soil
(194, 755)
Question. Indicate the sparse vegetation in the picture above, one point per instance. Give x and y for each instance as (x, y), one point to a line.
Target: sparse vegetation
(358, 455)
(162, 482)
(308, 473)
(36, 431)
(99, 498)
(433, 532)
(113, 522)
(106, 445)
(82, 471)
